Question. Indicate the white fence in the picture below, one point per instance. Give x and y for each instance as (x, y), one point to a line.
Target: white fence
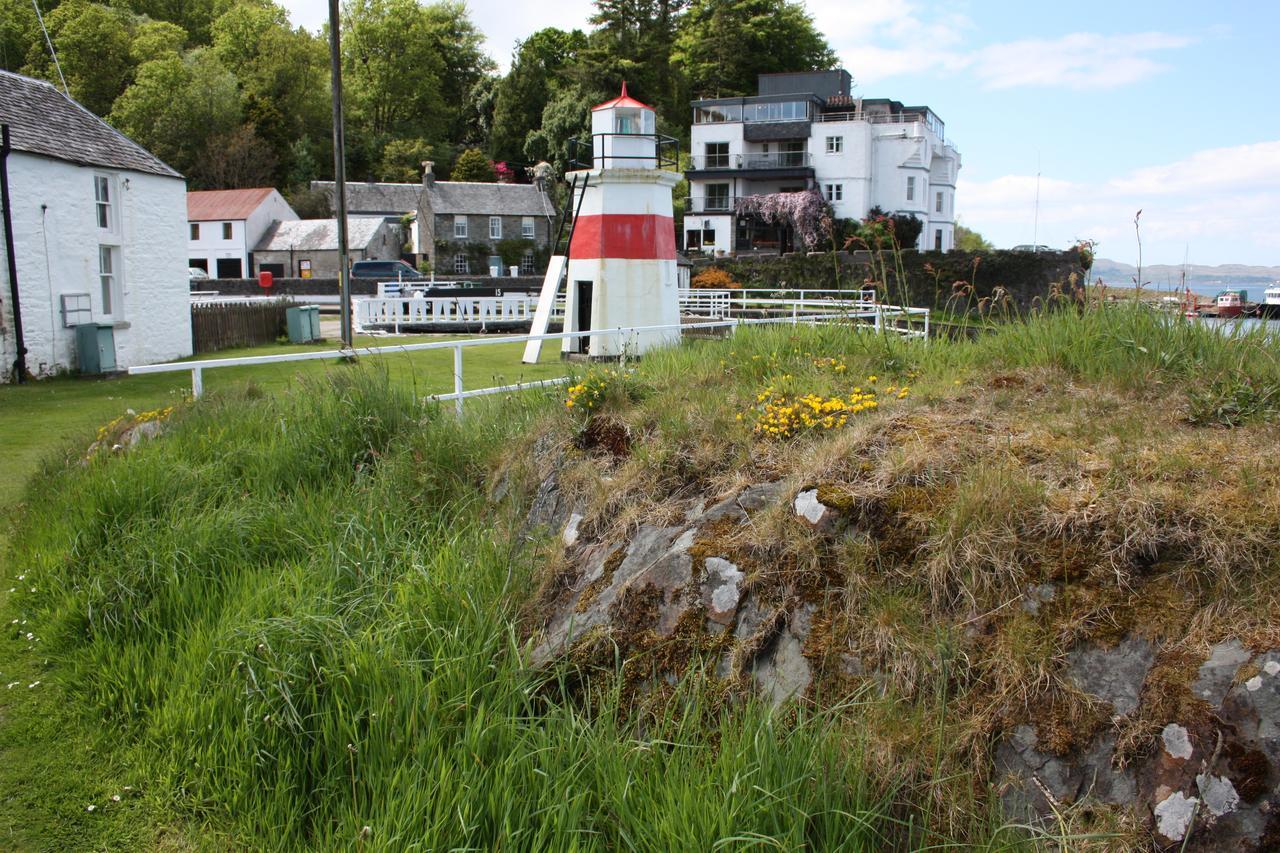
(197, 368)
(397, 311)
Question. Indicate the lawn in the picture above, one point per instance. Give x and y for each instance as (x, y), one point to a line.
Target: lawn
(39, 418)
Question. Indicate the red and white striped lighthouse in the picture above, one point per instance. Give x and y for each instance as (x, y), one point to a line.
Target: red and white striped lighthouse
(622, 258)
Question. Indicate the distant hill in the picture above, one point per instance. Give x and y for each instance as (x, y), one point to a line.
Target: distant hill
(1200, 278)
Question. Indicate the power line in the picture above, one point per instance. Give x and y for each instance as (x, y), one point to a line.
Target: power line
(52, 52)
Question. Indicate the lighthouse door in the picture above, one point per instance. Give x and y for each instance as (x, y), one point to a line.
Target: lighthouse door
(584, 315)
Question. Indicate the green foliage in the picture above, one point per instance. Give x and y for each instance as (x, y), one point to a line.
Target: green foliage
(449, 32)
(472, 165)
(402, 159)
(723, 44)
(1233, 401)
(393, 70)
(156, 40)
(512, 250)
(879, 230)
(968, 240)
(18, 31)
(93, 43)
(522, 95)
(567, 116)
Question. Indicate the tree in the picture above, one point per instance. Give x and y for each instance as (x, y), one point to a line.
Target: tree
(472, 165)
(402, 159)
(968, 240)
(194, 16)
(460, 46)
(235, 160)
(93, 44)
(879, 230)
(156, 39)
(18, 32)
(722, 45)
(393, 71)
(175, 105)
(567, 116)
(633, 41)
(522, 96)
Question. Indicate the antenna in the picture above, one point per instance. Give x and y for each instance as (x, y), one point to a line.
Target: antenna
(52, 52)
(1036, 218)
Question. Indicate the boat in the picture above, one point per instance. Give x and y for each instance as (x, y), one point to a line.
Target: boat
(1270, 304)
(1230, 303)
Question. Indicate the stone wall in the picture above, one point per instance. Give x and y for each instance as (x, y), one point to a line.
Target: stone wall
(929, 277)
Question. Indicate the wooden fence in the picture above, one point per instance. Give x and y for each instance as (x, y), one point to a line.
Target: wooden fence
(224, 325)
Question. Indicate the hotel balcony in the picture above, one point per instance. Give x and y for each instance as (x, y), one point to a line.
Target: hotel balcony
(776, 164)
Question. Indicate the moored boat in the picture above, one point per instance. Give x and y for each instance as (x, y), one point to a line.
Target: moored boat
(1270, 304)
(1230, 303)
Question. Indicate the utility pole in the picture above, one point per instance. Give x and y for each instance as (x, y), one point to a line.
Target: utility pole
(340, 174)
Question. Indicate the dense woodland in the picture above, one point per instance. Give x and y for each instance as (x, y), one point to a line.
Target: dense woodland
(231, 95)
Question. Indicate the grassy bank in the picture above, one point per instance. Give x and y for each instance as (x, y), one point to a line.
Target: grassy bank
(301, 615)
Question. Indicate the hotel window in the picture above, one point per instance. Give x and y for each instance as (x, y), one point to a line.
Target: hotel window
(717, 155)
(460, 263)
(835, 144)
(195, 230)
(911, 188)
(526, 227)
(102, 197)
(495, 227)
(937, 240)
(109, 280)
(717, 197)
(460, 227)
(226, 231)
(835, 192)
(526, 264)
(937, 203)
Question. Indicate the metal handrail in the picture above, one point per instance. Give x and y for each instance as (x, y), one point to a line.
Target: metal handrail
(666, 151)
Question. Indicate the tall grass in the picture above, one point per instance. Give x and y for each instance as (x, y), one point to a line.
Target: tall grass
(302, 611)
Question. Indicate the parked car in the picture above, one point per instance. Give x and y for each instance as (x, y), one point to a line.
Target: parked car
(385, 271)
(197, 274)
(1028, 247)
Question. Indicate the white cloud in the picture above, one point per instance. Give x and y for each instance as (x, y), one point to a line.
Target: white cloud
(897, 38)
(1223, 203)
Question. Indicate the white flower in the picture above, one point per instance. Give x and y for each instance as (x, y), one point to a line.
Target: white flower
(90, 807)
(12, 684)
(115, 798)
(33, 685)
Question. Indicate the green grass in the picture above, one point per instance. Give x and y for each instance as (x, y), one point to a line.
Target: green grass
(42, 416)
(294, 617)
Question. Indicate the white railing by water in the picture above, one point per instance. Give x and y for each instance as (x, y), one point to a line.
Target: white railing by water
(396, 311)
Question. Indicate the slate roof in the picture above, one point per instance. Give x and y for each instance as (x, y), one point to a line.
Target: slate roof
(318, 234)
(489, 199)
(375, 199)
(46, 122)
(444, 197)
(207, 205)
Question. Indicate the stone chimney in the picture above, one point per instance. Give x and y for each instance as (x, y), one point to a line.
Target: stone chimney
(542, 175)
(428, 173)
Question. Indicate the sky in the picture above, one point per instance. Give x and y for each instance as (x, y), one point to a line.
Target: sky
(1106, 108)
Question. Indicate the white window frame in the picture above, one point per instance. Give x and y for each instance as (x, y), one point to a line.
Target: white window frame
(835, 144)
(527, 264)
(834, 192)
(195, 230)
(495, 227)
(526, 227)
(228, 231)
(110, 286)
(722, 194)
(104, 205)
(938, 204)
(937, 240)
(719, 158)
(461, 264)
(459, 226)
(911, 187)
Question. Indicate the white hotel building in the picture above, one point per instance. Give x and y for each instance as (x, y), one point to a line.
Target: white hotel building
(805, 130)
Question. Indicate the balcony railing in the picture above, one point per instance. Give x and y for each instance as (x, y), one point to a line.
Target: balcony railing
(750, 160)
(709, 204)
(885, 118)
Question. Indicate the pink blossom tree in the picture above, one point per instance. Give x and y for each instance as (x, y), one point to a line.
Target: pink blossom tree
(806, 212)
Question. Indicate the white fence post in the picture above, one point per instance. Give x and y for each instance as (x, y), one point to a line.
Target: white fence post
(457, 379)
(197, 382)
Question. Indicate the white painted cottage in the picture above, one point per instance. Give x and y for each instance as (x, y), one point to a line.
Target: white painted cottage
(94, 232)
(225, 225)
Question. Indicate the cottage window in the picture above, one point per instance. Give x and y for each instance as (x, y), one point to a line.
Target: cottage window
(460, 227)
(911, 188)
(937, 203)
(526, 227)
(460, 264)
(495, 227)
(717, 155)
(717, 197)
(835, 192)
(109, 280)
(526, 263)
(226, 231)
(195, 230)
(102, 198)
(835, 144)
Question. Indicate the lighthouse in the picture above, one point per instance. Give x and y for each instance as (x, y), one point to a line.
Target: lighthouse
(622, 252)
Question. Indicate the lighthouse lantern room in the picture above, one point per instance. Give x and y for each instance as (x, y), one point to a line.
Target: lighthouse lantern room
(622, 253)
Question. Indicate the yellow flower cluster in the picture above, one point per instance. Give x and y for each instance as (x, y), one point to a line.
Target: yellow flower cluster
(131, 419)
(782, 416)
(589, 391)
(834, 364)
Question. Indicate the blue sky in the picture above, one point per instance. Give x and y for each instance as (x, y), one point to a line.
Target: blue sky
(1164, 106)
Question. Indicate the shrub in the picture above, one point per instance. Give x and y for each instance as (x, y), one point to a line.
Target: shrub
(715, 278)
